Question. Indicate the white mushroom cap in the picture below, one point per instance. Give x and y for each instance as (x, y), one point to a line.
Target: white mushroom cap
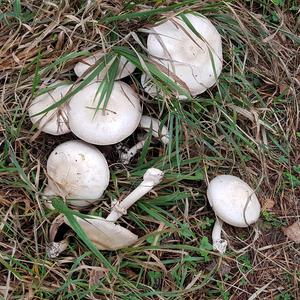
(233, 200)
(54, 122)
(125, 67)
(119, 120)
(174, 45)
(104, 234)
(152, 89)
(78, 172)
(149, 86)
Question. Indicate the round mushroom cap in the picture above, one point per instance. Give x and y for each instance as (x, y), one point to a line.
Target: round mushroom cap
(54, 122)
(105, 127)
(78, 172)
(105, 234)
(125, 67)
(233, 200)
(191, 57)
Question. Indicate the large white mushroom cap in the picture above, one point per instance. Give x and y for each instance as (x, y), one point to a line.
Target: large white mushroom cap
(105, 127)
(125, 67)
(233, 200)
(54, 122)
(78, 172)
(190, 57)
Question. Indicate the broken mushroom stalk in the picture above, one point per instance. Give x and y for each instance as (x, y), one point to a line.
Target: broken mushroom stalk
(157, 131)
(77, 172)
(234, 202)
(103, 232)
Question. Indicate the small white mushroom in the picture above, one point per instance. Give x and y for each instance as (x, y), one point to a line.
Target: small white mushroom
(103, 232)
(108, 126)
(55, 121)
(157, 131)
(77, 172)
(149, 86)
(125, 67)
(153, 90)
(233, 202)
(194, 59)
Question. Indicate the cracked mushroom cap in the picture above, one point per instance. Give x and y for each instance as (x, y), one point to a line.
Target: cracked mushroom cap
(54, 122)
(233, 200)
(78, 172)
(105, 234)
(106, 126)
(125, 67)
(191, 57)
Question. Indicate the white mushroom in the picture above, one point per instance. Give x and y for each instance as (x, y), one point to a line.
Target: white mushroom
(103, 232)
(233, 202)
(194, 59)
(153, 90)
(157, 131)
(108, 126)
(77, 172)
(125, 67)
(55, 121)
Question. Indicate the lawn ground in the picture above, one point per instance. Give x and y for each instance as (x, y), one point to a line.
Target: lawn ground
(247, 125)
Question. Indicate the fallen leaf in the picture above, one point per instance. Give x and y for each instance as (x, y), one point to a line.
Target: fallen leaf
(283, 87)
(293, 232)
(268, 204)
(95, 276)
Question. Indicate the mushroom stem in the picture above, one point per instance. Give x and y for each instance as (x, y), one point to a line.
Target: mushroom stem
(219, 244)
(152, 177)
(125, 157)
(147, 123)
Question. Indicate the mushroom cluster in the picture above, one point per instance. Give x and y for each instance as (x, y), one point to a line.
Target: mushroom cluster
(188, 49)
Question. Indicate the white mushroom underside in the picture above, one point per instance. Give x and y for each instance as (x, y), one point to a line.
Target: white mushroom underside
(78, 172)
(105, 127)
(105, 234)
(191, 58)
(54, 122)
(228, 196)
